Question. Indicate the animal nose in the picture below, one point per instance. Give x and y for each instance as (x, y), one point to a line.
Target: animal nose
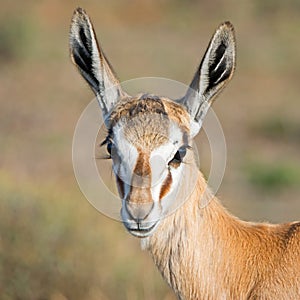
(138, 211)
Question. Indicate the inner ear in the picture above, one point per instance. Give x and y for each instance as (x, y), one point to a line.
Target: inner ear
(92, 63)
(217, 69)
(194, 128)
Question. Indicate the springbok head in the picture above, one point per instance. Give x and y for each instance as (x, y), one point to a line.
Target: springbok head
(149, 137)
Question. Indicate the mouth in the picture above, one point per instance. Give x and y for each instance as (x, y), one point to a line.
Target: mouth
(138, 230)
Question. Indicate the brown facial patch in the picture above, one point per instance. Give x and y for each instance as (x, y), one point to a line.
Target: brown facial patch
(142, 167)
(141, 180)
(166, 186)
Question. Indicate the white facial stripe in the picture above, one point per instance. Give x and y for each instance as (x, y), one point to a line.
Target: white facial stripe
(160, 158)
(171, 197)
(195, 128)
(175, 134)
(159, 168)
(168, 150)
(128, 156)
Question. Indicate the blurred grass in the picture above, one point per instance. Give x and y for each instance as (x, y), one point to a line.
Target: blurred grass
(39, 244)
(277, 128)
(273, 177)
(16, 34)
(53, 245)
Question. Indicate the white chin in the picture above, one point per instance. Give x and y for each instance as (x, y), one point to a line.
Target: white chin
(142, 232)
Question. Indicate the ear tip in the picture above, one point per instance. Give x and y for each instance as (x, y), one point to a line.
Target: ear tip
(79, 18)
(79, 15)
(79, 11)
(227, 26)
(226, 29)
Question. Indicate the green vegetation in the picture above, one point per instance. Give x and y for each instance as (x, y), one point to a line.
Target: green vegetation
(15, 38)
(272, 177)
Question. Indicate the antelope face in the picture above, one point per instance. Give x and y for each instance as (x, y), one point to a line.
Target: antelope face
(150, 137)
(149, 147)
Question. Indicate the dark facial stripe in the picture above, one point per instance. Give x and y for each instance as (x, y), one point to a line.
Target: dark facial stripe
(166, 186)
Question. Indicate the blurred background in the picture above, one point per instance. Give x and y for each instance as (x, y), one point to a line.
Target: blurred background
(53, 244)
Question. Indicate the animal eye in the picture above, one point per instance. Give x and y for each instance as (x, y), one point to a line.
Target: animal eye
(109, 147)
(179, 155)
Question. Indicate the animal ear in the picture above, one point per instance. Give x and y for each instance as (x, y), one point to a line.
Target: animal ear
(214, 72)
(92, 63)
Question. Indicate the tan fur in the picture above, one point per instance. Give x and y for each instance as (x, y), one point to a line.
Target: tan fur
(206, 253)
(177, 114)
(134, 108)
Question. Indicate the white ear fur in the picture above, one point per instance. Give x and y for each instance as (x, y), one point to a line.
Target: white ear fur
(194, 128)
(214, 72)
(92, 63)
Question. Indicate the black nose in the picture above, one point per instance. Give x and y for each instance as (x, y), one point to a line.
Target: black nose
(138, 211)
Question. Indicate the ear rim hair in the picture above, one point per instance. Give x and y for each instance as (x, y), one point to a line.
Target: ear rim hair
(213, 74)
(91, 62)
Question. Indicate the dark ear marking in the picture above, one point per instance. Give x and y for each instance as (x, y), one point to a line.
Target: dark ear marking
(217, 69)
(92, 63)
(82, 53)
(82, 58)
(81, 47)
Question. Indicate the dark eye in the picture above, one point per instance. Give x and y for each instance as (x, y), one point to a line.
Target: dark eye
(109, 147)
(179, 155)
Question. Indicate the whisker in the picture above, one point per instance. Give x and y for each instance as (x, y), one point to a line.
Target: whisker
(105, 156)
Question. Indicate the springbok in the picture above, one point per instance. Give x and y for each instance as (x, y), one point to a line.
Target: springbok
(203, 252)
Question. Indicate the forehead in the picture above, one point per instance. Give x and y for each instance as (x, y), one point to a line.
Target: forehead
(149, 121)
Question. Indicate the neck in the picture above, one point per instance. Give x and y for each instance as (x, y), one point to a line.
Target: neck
(196, 247)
